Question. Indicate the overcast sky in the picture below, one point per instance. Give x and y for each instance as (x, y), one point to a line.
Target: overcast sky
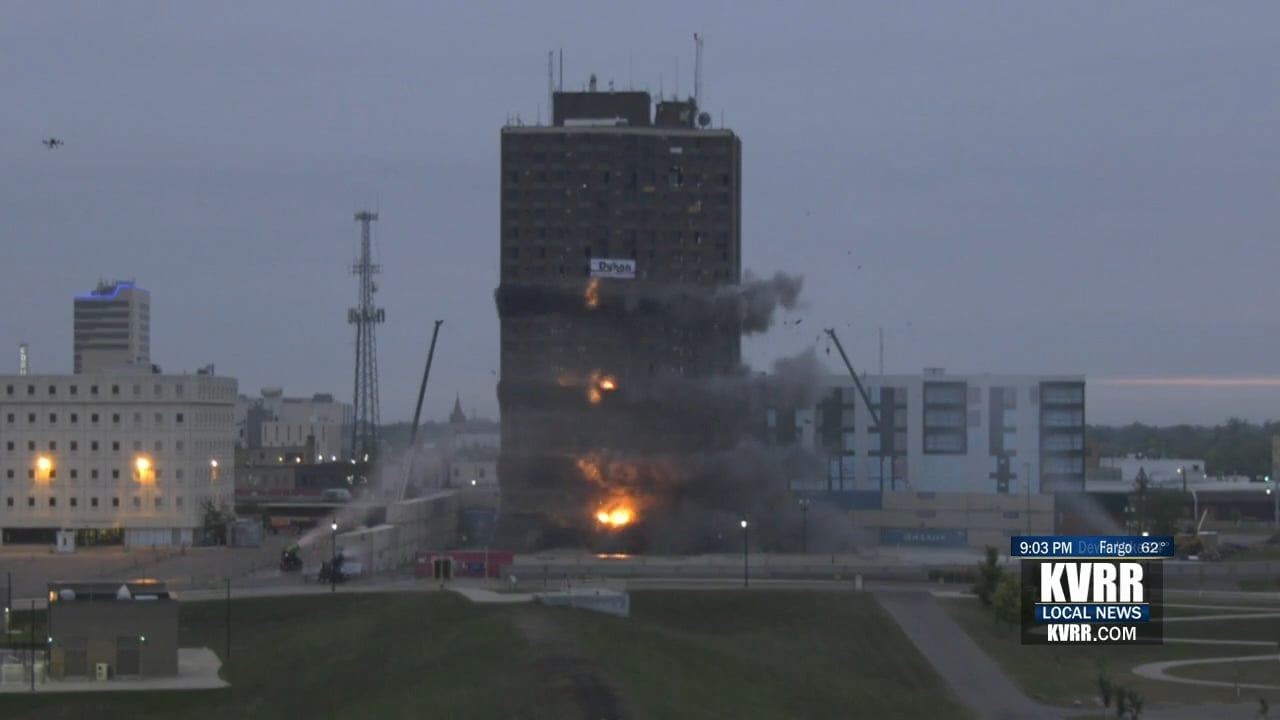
(1081, 187)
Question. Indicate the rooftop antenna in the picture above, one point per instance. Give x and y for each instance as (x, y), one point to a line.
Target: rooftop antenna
(677, 77)
(551, 77)
(660, 90)
(697, 70)
(561, 70)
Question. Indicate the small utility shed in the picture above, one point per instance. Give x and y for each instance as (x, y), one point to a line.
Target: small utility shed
(105, 630)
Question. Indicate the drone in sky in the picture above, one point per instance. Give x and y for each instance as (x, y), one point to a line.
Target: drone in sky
(52, 143)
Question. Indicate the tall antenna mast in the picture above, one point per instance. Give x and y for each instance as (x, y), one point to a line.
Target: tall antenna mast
(697, 70)
(561, 88)
(551, 81)
(366, 316)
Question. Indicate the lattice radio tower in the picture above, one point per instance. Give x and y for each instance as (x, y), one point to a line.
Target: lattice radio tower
(366, 317)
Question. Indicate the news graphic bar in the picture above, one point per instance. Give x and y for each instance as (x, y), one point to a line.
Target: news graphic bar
(1092, 601)
(1090, 546)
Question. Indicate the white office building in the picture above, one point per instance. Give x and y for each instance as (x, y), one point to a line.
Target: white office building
(126, 452)
(274, 420)
(950, 433)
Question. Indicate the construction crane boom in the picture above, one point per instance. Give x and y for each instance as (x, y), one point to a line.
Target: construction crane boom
(875, 416)
(866, 399)
(417, 410)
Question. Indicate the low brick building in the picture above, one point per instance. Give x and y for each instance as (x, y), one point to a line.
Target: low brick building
(130, 627)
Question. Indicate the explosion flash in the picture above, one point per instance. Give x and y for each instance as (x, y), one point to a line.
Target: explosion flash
(621, 506)
(592, 296)
(616, 517)
(599, 384)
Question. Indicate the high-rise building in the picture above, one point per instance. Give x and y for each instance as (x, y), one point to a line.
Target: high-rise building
(607, 214)
(112, 328)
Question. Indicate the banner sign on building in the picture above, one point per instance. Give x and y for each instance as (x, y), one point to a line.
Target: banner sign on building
(605, 268)
(1088, 590)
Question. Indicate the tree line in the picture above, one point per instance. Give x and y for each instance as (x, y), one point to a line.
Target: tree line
(1236, 447)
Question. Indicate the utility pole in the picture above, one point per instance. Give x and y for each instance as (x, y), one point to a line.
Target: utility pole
(228, 641)
(366, 316)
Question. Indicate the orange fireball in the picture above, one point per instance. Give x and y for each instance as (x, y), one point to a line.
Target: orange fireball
(592, 296)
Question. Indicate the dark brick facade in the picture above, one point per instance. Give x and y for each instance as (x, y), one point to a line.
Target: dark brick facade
(667, 197)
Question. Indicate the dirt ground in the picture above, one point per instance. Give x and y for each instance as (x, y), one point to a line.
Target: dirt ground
(566, 669)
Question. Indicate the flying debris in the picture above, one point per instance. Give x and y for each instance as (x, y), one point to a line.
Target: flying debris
(52, 143)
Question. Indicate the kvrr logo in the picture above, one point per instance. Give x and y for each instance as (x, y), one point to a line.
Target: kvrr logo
(1088, 582)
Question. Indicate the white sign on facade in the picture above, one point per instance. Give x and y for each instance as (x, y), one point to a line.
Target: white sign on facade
(605, 268)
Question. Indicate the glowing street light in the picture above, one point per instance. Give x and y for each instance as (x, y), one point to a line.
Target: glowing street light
(44, 468)
(143, 466)
(745, 576)
(213, 469)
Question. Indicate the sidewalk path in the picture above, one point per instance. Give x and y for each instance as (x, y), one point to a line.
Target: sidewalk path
(972, 676)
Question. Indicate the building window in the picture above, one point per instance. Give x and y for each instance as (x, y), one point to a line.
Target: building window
(180, 446)
(8, 390)
(137, 390)
(179, 389)
(93, 473)
(75, 389)
(115, 446)
(31, 502)
(74, 473)
(137, 445)
(53, 389)
(179, 473)
(159, 446)
(159, 502)
(9, 501)
(115, 502)
(75, 418)
(31, 418)
(158, 390)
(53, 502)
(93, 389)
(137, 419)
(93, 445)
(179, 418)
(115, 389)
(115, 474)
(115, 418)
(94, 418)
(9, 446)
(31, 445)
(10, 417)
(9, 473)
(75, 446)
(53, 418)
(74, 502)
(137, 503)
(178, 502)
(93, 502)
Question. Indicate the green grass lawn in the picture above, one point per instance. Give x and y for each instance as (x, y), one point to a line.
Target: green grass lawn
(681, 655)
(1063, 674)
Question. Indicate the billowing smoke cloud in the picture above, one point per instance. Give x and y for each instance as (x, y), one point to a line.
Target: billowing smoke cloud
(758, 299)
(753, 303)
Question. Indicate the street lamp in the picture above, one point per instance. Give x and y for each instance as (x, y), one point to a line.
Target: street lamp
(1275, 512)
(333, 558)
(143, 466)
(804, 525)
(213, 469)
(744, 555)
(44, 468)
